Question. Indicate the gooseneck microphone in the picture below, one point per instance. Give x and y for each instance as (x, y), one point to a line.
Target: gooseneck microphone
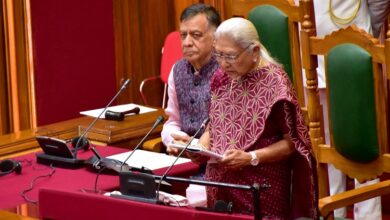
(123, 87)
(156, 123)
(119, 116)
(204, 124)
(115, 166)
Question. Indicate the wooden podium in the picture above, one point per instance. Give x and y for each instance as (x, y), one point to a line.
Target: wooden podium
(126, 133)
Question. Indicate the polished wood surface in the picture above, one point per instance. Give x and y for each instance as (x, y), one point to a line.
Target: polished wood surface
(125, 133)
(26, 211)
(5, 215)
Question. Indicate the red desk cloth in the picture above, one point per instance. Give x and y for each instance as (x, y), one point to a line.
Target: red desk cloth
(12, 185)
(65, 204)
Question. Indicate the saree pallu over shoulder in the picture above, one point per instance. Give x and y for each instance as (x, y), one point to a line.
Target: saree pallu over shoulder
(238, 114)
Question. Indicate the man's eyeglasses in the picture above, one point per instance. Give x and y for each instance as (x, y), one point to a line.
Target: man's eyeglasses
(228, 57)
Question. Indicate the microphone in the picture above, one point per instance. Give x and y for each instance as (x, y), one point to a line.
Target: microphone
(123, 87)
(116, 166)
(156, 123)
(204, 124)
(119, 116)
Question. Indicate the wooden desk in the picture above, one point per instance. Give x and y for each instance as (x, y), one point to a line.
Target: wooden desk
(125, 133)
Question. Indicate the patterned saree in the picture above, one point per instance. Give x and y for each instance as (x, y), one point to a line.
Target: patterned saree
(252, 113)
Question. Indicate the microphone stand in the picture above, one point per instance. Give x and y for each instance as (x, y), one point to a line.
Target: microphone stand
(73, 162)
(178, 156)
(123, 87)
(116, 166)
(158, 121)
(255, 188)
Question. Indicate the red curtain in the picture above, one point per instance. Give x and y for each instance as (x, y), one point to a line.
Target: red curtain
(74, 57)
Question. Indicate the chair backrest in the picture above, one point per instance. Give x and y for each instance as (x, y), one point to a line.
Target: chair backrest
(271, 22)
(357, 101)
(277, 23)
(352, 108)
(171, 53)
(357, 97)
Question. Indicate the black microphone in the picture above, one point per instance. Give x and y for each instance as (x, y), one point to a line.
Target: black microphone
(119, 116)
(156, 123)
(204, 124)
(123, 87)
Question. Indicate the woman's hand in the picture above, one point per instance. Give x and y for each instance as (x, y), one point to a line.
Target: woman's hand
(235, 159)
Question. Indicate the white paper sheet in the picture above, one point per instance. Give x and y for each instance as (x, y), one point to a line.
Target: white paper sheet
(119, 108)
(148, 159)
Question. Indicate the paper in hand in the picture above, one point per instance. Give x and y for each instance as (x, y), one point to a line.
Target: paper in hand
(194, 148)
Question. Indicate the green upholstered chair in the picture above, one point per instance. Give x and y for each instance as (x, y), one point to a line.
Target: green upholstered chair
(352, 103)
(358, 112)
(277, 23)
(273, 28)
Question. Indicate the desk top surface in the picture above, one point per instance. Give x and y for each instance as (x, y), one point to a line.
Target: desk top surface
(80, 179)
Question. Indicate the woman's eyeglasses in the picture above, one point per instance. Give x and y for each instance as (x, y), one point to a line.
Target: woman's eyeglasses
(228, 57)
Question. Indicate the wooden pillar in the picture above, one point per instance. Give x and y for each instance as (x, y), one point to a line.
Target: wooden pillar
(17, 97)
(140, 29)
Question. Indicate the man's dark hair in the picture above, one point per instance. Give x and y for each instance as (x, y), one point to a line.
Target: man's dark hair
(211, 13)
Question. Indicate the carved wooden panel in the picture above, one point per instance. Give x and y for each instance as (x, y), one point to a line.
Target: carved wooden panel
(140, 30)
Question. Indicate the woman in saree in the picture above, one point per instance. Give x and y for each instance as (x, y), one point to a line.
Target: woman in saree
(257, 124)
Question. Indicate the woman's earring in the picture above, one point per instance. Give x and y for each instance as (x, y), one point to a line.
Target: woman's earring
(255, 60)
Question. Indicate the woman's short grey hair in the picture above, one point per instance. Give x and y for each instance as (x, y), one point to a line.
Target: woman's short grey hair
(244, 33)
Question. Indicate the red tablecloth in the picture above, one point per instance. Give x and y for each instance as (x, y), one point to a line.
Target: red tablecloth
(65, 204)
(13, 184)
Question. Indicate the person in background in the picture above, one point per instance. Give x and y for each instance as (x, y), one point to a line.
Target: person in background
(257, 124)
(188, 83)
(379, 11)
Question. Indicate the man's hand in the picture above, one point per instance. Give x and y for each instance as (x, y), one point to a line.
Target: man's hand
(177, 138)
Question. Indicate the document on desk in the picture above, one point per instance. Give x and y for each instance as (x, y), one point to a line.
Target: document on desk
(148, 159)
(119, 108)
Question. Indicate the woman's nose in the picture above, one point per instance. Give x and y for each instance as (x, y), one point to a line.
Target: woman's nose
(222, 63)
